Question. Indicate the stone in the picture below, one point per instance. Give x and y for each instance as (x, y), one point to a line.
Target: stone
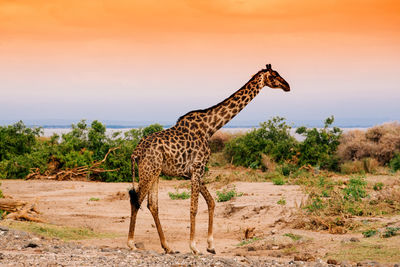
(332, 261)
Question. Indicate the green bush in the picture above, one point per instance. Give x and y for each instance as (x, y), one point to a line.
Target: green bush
(1, 211)
(177, 195)
(369, 233)
(281, 201)
(278, 180)
(153, 128)
(21, 150)
(390, 231)
(320, 145)
(355, 189)
(272, 138)
(227, 195)
(395, 163)
(378, 186)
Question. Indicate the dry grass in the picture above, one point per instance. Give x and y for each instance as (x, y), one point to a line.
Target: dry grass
(381, 142)
(218, 140)
(365, 165)
(376, 249)
(54, 231)
(268, 163)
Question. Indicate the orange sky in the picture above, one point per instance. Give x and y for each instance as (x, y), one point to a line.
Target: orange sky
(60, 48)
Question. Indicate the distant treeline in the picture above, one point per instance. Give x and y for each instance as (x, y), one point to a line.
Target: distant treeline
(24, 151)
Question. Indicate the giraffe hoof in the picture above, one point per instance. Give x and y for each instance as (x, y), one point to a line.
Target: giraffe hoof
(131, 245)
(211, 250)
(172, 252)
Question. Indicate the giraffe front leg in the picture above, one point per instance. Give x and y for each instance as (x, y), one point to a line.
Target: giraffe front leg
(211, 206)
(193, 211)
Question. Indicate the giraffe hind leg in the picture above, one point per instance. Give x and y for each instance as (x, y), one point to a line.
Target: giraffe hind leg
(153, 207)
(147, 178)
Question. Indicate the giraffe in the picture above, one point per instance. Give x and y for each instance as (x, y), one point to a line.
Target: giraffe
(183, 150)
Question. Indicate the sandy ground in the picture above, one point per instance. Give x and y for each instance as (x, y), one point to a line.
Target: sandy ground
(68, 203)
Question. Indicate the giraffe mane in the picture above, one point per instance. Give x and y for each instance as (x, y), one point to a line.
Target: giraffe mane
(207, 109)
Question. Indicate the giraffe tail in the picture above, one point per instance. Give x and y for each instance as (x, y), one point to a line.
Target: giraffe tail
(134, 198)
(133, 195)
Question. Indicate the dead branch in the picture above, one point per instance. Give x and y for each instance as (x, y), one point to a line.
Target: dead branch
(20, 210)
(74, 173)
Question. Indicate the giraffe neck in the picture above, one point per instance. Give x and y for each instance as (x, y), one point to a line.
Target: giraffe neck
(222, 113)
(206, 122)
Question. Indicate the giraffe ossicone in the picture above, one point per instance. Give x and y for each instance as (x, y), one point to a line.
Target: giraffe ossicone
(183, 150)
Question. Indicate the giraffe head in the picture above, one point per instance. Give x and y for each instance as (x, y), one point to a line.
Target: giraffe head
(274, 80)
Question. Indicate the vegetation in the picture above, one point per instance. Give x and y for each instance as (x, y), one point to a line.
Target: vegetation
(247, 241)
(293, 236)
(381, 142)
(281, 201)
(22, 151)
(395, 163)
(54, 231)
(390, 231)
(94, 199)
(319, 146)
(177, 195)
(227, 195)
(1, 211)
(370, 233)
(274, 140)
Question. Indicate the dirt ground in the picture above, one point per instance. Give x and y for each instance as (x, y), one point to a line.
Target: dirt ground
(104, 207)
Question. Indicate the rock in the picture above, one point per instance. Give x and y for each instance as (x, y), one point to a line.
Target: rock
(332, 261)
(3, 229)
(31, 245)
(139, 245)
(345, 264)
(251, 248)
(354, 239)
(273, 231)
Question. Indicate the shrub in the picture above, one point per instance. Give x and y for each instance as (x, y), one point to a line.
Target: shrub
(153, 128)
(395, 163)
(350, 167)
(183, 195)
(272, 138)
(21, 150)
(227, 195)
(381, 142)
(293, 236)
(281, 201)
(369, 233)
(355, 189)
(320, 145)
(378, 186)
(218, 140)
(278, 180)
(390, 231)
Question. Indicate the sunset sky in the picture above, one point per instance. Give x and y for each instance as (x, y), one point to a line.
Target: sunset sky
(152, 61)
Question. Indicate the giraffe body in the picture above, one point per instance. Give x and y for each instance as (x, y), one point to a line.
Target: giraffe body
(183, 150)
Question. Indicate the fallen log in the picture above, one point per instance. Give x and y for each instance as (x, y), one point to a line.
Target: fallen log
(20, 210)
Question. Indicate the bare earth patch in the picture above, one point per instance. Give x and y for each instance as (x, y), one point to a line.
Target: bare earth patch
(252, 225)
